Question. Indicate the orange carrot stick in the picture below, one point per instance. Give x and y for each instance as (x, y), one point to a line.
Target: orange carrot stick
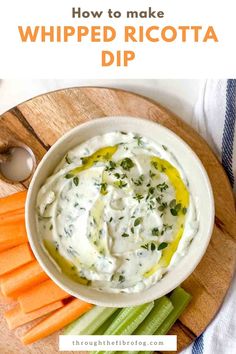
(5, 300)
(16, 317)
(15, 233)
(15, 258)
(12, 216)
(22, 279)
(41, 295)
(56, 321)
(12, 202)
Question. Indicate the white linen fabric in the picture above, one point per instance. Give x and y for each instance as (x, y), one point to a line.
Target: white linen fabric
(215, 116)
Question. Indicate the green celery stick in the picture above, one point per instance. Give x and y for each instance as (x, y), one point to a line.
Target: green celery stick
(180, 299)
(156, 317)
(107, 323)
(127, 321)
(90, 321)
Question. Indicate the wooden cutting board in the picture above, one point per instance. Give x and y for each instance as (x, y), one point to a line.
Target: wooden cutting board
(41, 121)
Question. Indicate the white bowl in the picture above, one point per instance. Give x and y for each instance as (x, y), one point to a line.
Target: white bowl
(199, 184)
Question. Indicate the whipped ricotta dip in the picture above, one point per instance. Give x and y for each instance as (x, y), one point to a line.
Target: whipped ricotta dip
(117, 213)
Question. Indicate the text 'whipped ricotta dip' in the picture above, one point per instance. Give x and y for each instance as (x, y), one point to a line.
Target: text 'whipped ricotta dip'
(117, 213)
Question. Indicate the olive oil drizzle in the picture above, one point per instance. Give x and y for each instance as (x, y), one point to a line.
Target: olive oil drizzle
(182, 197)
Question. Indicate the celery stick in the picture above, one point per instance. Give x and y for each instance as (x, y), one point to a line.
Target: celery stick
(127, 321)
(107, 323)
(90, 321)
(156, 317)
(180, 299)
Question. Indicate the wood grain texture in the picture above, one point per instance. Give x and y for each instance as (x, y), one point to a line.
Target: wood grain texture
(42, 120)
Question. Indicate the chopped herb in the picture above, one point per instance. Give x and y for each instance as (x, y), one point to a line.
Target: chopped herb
(123, 133)
(174, 211)
(76, 181)
(111, 166)
(117, 175)
(139, 140)
(120, 184)
(138, 197)
(84, 160)
(145, 246)
(132, 230)
(122, 217)
(138, 221)
(121, 278)
(103, 189)
(138, 181)
(154, 164)
(125, 235)
(151, 174)
(164, 147)
(172, 203)
(151, 190)
(51, 227)
(68, 160)
(69, 175)
(127, 164)
(184, 210)
(163, 206)
(167, 227)
(153, 247)
(162, 246)
(155, 231)
(162, 186)
(76, 204)
(111, 218)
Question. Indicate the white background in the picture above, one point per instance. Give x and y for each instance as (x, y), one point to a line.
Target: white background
(153, 60)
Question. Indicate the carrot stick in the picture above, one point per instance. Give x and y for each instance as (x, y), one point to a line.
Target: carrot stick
(7, 245)
(22, 279)
(5, 300)
(12, 216)
(15, 233)
(16, 317)
(41, 295)
(12, 202)
(56, 321)
(15, 258)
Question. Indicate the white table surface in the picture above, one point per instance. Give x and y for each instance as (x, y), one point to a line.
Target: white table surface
(177, 95)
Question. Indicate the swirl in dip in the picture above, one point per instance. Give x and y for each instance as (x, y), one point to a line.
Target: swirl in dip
(117, 213)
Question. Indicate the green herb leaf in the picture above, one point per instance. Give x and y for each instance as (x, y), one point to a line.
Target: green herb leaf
(138, 221)
(125, 235)
(76, 181)
(139, 140)
(68, 160)
(121, 278)
(103, 189)
(138, 197)
(184, 210)
(153, 247)
(164, 147)
(155, 231)
(174, 212)
(127, 164)
(111, 166)
(162, 246)
(120, 184)
(69, 175)
(172, 203)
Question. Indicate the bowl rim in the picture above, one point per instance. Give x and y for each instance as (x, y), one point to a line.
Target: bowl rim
(138, 300)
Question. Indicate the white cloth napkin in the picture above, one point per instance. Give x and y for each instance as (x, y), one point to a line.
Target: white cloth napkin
(215, 116)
